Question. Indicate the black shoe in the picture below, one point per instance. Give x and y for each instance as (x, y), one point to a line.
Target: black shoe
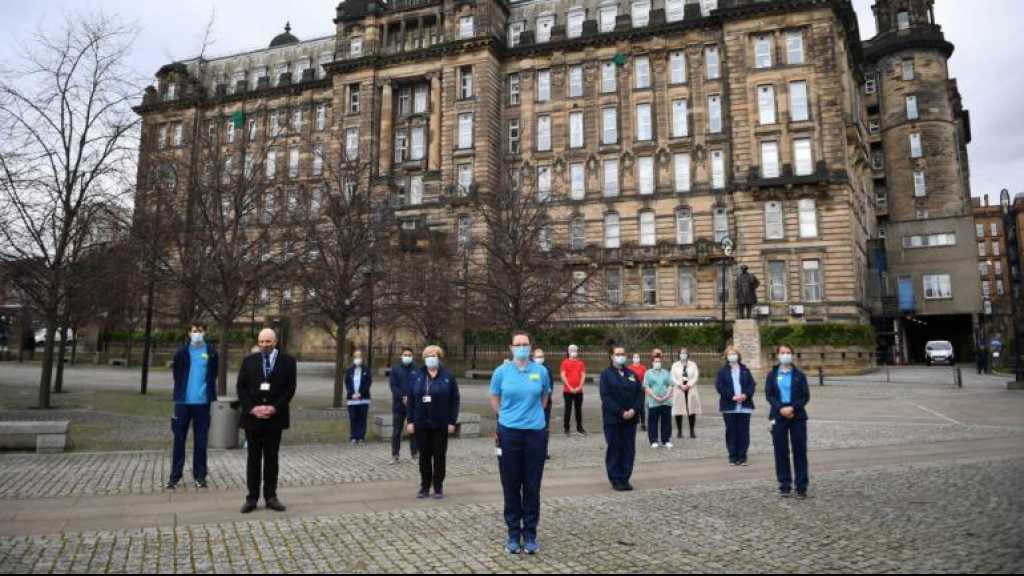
(248, 507)
(619, 487)
(693, 435)
(679, 435)
(627, 487)
(201, 484)
(581, 431)
(785, 493)
(171, 485)
(802, 494)
(567, 434)
(275, 505)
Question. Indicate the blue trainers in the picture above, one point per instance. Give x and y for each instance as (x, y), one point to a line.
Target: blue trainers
(531, 546)
(512, 546)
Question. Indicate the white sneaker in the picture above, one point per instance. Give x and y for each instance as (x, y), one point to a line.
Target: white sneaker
(655, 445)
(668, 445)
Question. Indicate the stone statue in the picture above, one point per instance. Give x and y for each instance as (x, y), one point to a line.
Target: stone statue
(746, 293)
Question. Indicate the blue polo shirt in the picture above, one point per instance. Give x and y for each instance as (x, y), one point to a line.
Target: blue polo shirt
(521, 392)
(785, 382)
(200, 360)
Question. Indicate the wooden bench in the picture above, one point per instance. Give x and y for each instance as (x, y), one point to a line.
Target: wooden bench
(44, 437)
(468, 425)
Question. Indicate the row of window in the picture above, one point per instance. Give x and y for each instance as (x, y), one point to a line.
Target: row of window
(984, 251)
(278, 123)
(993, 230)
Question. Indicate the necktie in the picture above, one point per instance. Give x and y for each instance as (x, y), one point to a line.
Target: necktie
(266, 366)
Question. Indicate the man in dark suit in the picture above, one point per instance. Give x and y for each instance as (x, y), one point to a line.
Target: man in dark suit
(266, 385)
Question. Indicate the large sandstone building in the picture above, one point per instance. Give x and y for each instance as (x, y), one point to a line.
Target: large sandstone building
(661, 126)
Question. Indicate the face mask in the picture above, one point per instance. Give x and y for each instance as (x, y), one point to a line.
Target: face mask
(657, 365)
(407, 360)
(433, 362)
(539, 359)
(683, 357)
(785, 359)
(636, 359)
(573, 354)
(521, 352)
(198, 338)
(733, 358)
(358, 361)
(619, 360)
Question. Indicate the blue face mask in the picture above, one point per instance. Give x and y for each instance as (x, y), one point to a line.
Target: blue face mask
(521, 352)
(407, 360)
(432, 362)
(198, 338)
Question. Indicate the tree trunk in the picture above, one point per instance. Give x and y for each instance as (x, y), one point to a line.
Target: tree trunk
(148, 339)
(339, 369)
(58, 385)
(47, 372)
(74, 345)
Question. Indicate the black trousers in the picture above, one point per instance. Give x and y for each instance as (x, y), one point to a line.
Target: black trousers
(573, 402)
(433, 445)
(398, 421)
(264, 448)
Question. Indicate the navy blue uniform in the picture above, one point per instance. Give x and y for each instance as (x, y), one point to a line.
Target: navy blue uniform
(431, 420)
(621, 390)
(736, 416)
(400, 380)
(789, 431)
(358, 410)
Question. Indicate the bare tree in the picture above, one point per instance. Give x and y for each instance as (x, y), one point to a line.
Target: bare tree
(66, 132)
(347, 238)
(426, 290)
(521, 276)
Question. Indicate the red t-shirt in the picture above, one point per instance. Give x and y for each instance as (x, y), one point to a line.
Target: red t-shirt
(574, 369)
(639, 370)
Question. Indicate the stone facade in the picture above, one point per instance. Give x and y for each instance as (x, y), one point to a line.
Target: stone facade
(680, 122)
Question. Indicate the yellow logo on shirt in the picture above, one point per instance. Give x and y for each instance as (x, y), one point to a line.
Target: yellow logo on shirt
(535, 377)
(206, 356)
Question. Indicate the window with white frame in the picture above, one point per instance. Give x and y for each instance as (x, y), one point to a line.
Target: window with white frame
(681, 165)
(684, 227)
(321, 117)
(544, 26)
(172, 91)
(513, 89)
(275, 124)
(609, 125)
(645, 174)
(577, 181)
(915, 145)
(229, 127)
(717, 169)
(811, 280)
(680, 120)
(352, 143)
(465, 230)
(929, 240)
(543, 85)
(720, 224)
(993, 229)
(706, 6)
(513, 136)
(687, 288)
(675, 10)
(803, 160)
(608, 81)
(777, 281)
(912, 111)
(464, 173)
(641, 13)
(353, 99)
(465, 127)
(611, 230)
(465, 82)
(981, 230)
(611, 177)
(711, 62)
(808, 209)
(179, 135)
(995, 248)
(356, 47)
(543, 182)
(417, 144)
(253, 129)
(649, 285)
(576, 129)
(420, 93)
(416, 190)
(795, 47)
(293, 162)
(576, 81)
(774, 228)
(763, 51)
(903, 20)
(766, 105)
(798, 108)
(161, 137)
(577, 233)
(401, 145)
(318, 159)
(677, 67)
(466, 27)
(644, 127)
(543, 133)
(770, 160)
(982, 249)
(225, 173)
(298, 119)
(714, 114)
(920, 188)
(325, 59)
(608, 15)
(574, 22)
(908, 69)
(301, 66)
(648, 235)
(515, 30)
(271, 164)
(642, 70)
(937, 286)
(613, 285)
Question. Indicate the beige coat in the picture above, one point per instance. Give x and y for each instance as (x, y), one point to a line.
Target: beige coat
(680, 407)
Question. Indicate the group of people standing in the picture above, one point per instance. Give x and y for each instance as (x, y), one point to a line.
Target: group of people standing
(426, 404)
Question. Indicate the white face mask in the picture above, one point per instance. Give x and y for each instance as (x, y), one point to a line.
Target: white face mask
(657, 365)
(619, 360)
(358, 361)
(407, 360)
(683, 357)
(432, 362)
(198, 338)
(733, 358)
(785, 359)
(573, 354)
(538, 359)
(636, 359)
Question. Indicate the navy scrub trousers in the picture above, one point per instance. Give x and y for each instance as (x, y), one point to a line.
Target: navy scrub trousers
(784, 433)
(522, 468)
(621, 452)
(737, 435)
(198, 415)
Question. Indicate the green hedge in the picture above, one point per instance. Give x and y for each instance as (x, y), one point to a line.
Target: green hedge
(709, 336)
(805, 335)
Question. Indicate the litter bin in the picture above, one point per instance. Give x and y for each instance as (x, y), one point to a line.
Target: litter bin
(224, 424)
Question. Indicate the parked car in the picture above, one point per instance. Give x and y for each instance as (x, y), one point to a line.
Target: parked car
(939, 351)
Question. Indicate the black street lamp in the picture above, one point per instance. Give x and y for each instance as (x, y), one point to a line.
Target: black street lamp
(1012, 250)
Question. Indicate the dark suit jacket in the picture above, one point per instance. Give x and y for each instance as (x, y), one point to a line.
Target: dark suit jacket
(364, 383)
(282, 390)
(799, 397)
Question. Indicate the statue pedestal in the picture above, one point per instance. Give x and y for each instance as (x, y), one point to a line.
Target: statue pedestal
(747, 339)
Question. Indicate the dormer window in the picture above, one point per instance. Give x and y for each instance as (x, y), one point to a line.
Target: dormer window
(544, 26)
(172, 91)
(466, 27)
(575, 22)
(356, 47)
(903, 20)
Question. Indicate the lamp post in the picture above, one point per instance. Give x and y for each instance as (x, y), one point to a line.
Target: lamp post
(1012, 249)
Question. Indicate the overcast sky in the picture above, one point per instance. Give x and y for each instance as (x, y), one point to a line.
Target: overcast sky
(988, 34)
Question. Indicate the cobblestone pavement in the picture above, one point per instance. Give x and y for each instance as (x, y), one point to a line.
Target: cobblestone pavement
(946, 517)
(123, 473)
